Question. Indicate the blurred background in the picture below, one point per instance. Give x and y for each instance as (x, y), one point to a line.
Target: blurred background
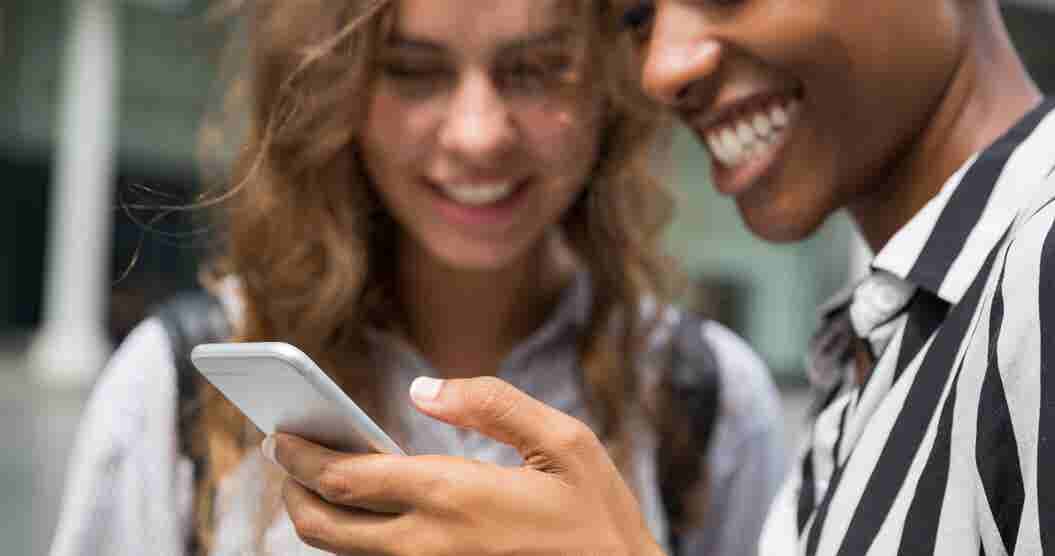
(100, 106)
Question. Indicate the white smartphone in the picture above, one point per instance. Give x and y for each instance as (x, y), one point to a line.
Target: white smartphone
(280, 389)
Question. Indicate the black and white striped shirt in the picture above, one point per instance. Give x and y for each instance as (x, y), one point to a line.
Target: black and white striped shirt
(949, 445)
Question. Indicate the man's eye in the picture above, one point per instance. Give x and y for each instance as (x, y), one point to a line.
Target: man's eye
(639, 16)
(638, 20)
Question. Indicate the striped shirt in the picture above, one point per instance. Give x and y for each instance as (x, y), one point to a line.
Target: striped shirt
(948, 447)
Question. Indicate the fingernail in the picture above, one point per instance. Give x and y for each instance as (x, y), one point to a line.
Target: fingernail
(267, 447)
(425, 389)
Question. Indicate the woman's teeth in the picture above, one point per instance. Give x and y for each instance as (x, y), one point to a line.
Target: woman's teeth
(751, 135)
(478, 195)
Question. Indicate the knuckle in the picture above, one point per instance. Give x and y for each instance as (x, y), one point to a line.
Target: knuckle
(575, 437)
(496, 401)
(312, 532)
(334, 484)
(439, 493)
(311, 526)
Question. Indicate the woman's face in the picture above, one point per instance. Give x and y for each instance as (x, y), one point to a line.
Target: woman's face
(804, 105)
(482, 127)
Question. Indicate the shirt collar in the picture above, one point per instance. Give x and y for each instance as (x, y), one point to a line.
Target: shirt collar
(944, 246)
(568, 316)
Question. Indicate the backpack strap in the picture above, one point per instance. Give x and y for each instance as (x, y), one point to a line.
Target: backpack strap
(691, 388)
(191, 318)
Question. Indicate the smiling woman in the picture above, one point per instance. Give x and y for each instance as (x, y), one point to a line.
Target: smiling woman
(478, 147)
(459, 188)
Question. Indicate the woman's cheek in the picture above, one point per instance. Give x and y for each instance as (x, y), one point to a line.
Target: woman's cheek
(568, 138)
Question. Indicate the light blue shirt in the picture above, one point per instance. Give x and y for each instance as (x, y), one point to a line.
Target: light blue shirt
(129, 492)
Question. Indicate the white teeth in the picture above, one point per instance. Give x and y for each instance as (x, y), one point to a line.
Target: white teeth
(745, 133)
(761, 124)
(716, 146)
(478, 195)
(733, 148)
(751, 135)
(779, 116)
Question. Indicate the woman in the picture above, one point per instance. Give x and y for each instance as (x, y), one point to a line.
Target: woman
(430, 187)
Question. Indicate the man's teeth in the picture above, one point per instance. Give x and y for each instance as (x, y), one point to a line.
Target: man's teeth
(752, 134)
(477, 195)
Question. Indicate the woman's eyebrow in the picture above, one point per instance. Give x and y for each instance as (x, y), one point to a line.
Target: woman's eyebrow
(558, 35)
(403, 42)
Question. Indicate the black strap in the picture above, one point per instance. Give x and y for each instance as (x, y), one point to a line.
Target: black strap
(191, 318)
(692, 392)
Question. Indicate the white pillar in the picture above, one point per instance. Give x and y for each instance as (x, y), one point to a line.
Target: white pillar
(71, 345)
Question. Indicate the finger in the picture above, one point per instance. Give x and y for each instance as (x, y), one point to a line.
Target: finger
(377, 482)
(489, 405)
(353, 480)
(340, 530)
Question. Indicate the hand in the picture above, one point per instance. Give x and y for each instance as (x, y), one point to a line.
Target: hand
(567, 498)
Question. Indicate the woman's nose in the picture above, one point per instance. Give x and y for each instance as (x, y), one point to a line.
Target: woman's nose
(478, 124)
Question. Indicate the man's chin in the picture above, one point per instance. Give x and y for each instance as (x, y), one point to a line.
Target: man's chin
(777, 226)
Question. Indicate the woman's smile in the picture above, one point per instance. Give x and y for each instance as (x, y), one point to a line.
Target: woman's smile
(479, 206)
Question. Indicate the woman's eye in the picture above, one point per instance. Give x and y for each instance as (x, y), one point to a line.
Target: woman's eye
(524, 76)
(533, 76)
(411, 72)
(415, 80)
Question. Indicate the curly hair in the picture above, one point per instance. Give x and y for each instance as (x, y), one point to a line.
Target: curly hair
(307, 236)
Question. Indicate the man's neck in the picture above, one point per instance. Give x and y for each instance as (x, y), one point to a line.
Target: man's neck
(989, 92)
(466, 322)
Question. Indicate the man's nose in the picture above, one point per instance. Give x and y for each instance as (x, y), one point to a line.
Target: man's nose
(677, 58)
(478, 124)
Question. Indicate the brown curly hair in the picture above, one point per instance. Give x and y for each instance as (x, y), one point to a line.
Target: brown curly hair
(306, 235)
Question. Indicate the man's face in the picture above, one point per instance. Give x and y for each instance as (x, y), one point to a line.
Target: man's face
(804, 105)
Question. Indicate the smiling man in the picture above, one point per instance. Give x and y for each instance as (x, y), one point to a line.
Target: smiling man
(916, 116)
(937, 431)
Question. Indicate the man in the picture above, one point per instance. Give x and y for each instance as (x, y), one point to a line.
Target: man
(918, 118)
(939, 434)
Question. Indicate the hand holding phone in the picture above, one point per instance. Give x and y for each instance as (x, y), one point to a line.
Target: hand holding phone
(280, 389)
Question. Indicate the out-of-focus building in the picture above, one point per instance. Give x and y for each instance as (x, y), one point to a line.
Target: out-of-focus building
(166, 56)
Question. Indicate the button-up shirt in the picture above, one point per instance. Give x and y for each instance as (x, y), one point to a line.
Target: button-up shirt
(948, 446)
(129, 491)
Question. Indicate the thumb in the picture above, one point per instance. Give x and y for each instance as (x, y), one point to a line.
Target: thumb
(494, 408)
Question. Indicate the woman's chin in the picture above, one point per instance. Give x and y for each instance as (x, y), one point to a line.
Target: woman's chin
(475, 258)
